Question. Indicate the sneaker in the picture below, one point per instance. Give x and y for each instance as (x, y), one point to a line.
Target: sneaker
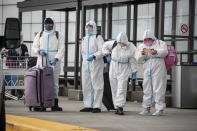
(86, 110)
(96, 110)
(158, 113)
(145, 112)
(119, 111)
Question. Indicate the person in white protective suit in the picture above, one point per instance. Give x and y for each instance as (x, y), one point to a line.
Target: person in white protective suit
(92, 69)
(48, 43)
(122, 65)
(152, 52)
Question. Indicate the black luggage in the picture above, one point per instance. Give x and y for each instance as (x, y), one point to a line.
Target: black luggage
(107, 95)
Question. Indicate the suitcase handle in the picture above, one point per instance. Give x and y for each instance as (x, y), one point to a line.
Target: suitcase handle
(46, 57)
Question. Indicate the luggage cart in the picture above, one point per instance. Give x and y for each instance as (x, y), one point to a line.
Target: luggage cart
(13, 69)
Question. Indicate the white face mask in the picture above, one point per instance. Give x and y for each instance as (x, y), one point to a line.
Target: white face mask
(89, 30)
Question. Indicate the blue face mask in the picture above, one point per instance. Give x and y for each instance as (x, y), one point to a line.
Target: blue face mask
(89, 30)
(48, 28)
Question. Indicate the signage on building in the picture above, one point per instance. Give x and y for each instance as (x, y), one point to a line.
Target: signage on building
(184, 29)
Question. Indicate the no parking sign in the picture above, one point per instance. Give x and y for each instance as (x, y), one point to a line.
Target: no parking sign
(184, 29)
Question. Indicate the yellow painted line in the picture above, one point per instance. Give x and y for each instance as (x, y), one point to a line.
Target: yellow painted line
(19, 123)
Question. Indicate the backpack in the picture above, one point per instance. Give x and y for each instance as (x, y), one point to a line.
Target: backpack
(56, 33)
(171, 59)
(104, 57)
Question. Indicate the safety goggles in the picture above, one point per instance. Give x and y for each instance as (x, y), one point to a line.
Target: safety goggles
(89, 26)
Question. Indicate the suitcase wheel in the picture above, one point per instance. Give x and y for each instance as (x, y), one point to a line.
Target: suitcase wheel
(30, 108)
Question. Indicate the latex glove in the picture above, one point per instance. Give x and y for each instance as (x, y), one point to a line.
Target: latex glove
(108, 59)
(91, 58)
(134, 76)
(43, 52)
(53, 61)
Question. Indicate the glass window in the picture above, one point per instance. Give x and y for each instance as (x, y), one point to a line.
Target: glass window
(62, 16)
(119, 20)
(72, 16)
(89, 15)
(195, 44)
(182, 18)
(54, 14)
(182, 45)
(26, 29)
(168, 18)
(35, 28)
(26, 17)
(71, 56)
(1, 2)
(1, 17)
(1, 29)
(9, 11)
(71, 26)
(71, 32)
(131, 21)
(146, 19)
(6, 2)
(195, 29)
(37, 17)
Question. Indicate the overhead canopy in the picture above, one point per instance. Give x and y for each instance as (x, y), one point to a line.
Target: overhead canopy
(99, 2)
(33, 5)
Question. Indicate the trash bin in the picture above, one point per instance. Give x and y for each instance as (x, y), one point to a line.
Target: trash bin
(184, 83)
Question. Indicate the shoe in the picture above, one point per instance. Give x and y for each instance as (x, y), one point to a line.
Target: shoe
(96, 110)
(158, 113)
(86, 110)
(145, 112)
(119, 111)
(56, 106)
(40, 109)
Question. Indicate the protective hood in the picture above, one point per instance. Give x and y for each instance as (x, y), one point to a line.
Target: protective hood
(148, 34)
(122, 38)
(50, 20)
(93, 24)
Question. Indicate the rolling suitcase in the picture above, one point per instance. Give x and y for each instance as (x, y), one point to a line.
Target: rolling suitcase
(107, 95)
(39, 88)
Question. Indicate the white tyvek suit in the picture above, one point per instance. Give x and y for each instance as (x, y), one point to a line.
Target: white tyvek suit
(154, 83)
(55, 48)
(122, 65)
(92, 72)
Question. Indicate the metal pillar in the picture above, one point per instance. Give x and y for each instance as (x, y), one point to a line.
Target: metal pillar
(135, 25)
(77, 44)
(191, 27)
(174, 7)
(109, 22)
(128, 21)
(156, 19)
(66, 47)
(83, 21)
(161, 19)
(20, 15)
(103, 21)
(43, 17)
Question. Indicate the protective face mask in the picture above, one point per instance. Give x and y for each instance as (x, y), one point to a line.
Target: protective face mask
(48, 28)
(89, 30)
(148, 43)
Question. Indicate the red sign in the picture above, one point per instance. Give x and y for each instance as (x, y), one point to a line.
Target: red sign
(184, 28)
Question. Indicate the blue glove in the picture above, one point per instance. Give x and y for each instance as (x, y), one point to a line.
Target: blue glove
(108, 59)
(43, 52)
(91, 58)
(53, 61)
(134, 76)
